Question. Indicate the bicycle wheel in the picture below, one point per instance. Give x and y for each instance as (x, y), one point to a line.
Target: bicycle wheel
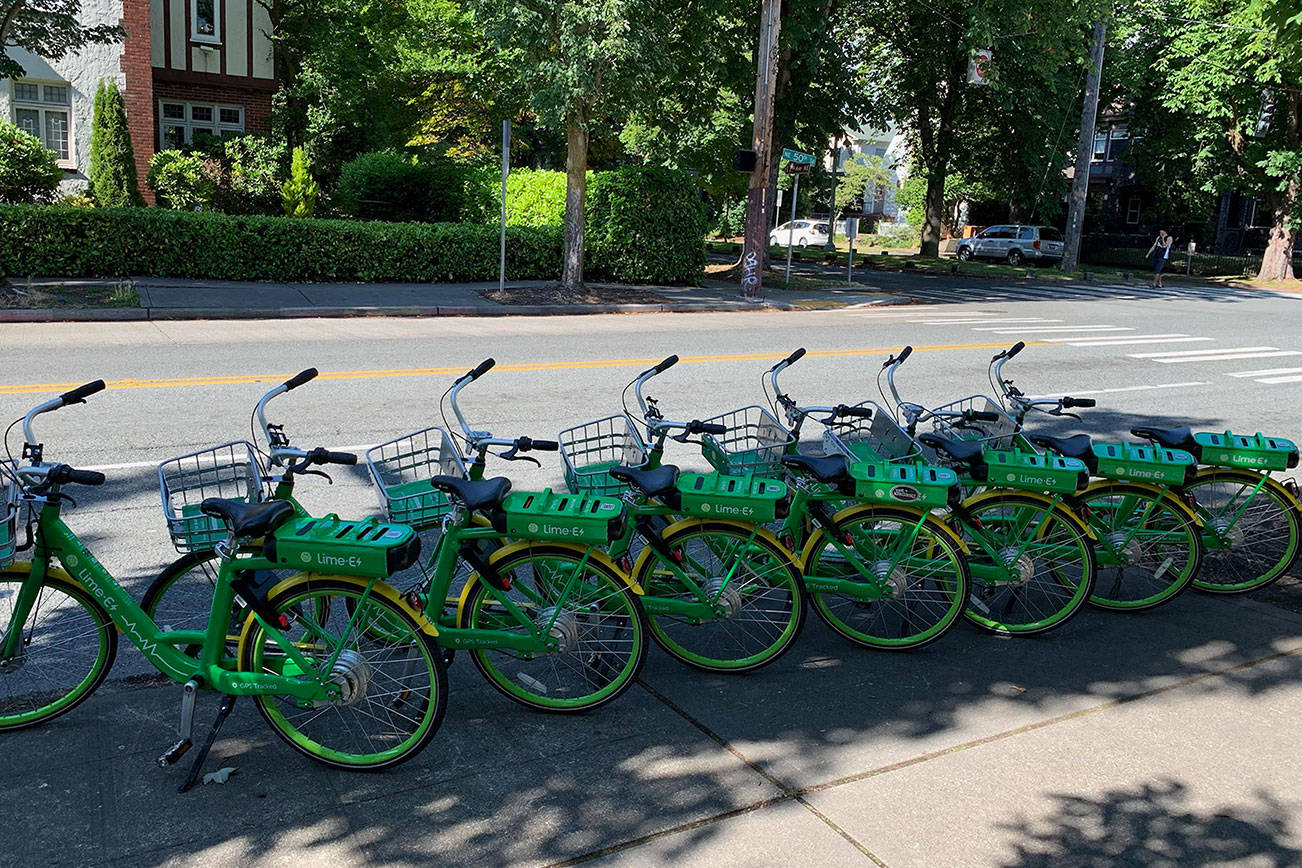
(68, 647)
(1250, 539)
(921, 579)
(596, 620)
(181, 596)
(751, 581)
(393, 681)
(1040, 570)
(1148, 546)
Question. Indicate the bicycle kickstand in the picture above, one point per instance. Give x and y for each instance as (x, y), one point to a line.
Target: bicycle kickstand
(223, 712)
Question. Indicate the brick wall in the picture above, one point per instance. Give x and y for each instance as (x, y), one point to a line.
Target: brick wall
(256, 102)
(137, 67)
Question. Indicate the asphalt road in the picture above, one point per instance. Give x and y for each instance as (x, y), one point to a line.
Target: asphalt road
(772, 767)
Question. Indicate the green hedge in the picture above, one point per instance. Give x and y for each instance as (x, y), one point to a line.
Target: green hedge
(646, 225)
(119, 242)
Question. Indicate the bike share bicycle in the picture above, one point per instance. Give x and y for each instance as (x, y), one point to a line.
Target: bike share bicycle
(720, 592)
(306, 653)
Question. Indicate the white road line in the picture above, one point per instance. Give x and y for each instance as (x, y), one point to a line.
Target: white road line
(135, 465)
(1119, 337)
(1076, 393)
(1269, 372)
(981, 321)
(1088, 328)
(1297, 378)
(1129, 341)
(1228, 357)
(1201, 352)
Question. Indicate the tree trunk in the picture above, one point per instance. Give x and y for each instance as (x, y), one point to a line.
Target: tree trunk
(934, 213)
(1277, 263)
(576, 182)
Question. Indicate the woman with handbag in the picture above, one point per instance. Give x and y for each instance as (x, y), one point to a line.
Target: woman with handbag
(1160, 252)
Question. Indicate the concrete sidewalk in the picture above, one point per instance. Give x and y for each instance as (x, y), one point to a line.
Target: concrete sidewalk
(1161, 739)
(166, 298)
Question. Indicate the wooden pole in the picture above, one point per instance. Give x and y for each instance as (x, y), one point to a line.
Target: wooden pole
(1084, 151)
(757, 216)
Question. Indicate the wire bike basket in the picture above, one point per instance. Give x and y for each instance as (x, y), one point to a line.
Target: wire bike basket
(402, 468)
(590, 450)
(878, 438)
(8, 524)
(754, 443)
(998, 434)
(232, 471)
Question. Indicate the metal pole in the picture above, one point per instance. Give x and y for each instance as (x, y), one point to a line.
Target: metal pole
(791, 227)
(506, 169)
(849, 267)
(1084, 150)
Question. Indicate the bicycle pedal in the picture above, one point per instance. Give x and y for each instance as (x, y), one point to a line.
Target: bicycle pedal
(175, 752)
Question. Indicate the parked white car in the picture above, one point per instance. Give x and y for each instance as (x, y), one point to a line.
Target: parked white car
(806, 232)
(1014, 244)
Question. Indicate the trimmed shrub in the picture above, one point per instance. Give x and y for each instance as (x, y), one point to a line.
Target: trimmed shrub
(298, 196)
(385, 185)
(120, 242)
(254, 168)
(184, 182)
(28, 171)
(112, 172)
(646, 225)
(535, 197)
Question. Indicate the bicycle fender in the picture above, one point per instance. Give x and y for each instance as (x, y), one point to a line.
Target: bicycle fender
(51, 571)
(1251, 478)
(854, 511)
(1164, 494)
(1003, 494)
(764, 533)
(384, 589)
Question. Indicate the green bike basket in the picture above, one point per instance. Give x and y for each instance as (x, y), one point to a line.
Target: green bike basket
(8, 525)
(590, 450)
(750, 498)
(370, 549)
(231, 471)
(543, 515)
(1031, 471)
(401, 470)
(1257, 452)
(1144, 463)
(754, 442)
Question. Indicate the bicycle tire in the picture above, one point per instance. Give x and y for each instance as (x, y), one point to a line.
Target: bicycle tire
(1242, 557)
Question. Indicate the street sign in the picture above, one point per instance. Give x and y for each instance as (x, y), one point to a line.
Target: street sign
(978, 66)
(797, 157)
(797, 168)
(851, 227)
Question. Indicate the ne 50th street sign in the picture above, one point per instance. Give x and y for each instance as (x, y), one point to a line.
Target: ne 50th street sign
(797, 157)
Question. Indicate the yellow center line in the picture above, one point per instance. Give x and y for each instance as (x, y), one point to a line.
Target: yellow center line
(241, 379)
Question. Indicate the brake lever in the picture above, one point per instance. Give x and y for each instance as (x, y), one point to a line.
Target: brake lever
(321, 473)
(1061, 412)
(512, 454)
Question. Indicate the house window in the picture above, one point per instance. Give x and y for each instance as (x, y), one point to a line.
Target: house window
(205, 21)
(1120, 143)
(179, 121)
(1132, 210)
(43, 109)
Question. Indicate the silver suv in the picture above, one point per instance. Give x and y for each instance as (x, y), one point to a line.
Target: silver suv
(1014, 243)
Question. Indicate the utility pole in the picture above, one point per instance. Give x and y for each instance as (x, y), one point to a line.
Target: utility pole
(830, 246)
(766, 79)
(1084, 150)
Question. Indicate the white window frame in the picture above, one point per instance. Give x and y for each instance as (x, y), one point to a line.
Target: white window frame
(43, 108)
(188, 125)
(1134, 206)
(195, 36)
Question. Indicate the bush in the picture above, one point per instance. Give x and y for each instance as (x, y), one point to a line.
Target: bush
(28, 172)
(535, 197)
(298, 196)
(730, 221)
(184, 182)
(646, 225)
(897, 235)
(253, 173)
(385, 185)
(120, 242)
(112, 172)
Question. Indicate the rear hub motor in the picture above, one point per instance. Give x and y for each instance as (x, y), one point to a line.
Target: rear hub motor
(1228, 531)
(727, 599)
(352, 674)
(893, 578)
(1019, 563)
(1122, 544)
(564, 628)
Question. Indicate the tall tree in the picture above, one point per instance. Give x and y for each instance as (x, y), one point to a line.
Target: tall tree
(112, 170)
(46, 28)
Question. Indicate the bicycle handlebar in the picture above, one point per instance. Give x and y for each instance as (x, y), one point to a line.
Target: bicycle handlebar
(75, 396)
(1069, 402)
(305, 376)
(81, 393)
(61, 474)
(665, 365)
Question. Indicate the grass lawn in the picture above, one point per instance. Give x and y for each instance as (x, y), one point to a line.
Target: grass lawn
(17, 296)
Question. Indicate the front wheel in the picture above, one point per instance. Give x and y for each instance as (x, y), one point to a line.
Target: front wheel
(392, 683)
(1032, 564)
(747, 579)
(965, 254)
(66, 649)
(1147, 545)
(580, 606)
(1251, 530)
(916, 582)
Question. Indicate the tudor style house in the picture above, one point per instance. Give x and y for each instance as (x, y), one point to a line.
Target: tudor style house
(185, 66)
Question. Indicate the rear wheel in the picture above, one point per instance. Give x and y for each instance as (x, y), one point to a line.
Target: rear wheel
(750, 580)
(392, 681)
(1016, 257)
(1251, 539)
(1039, 570)
(584, 606)
(919, 584)
(67, 648)
(1148, 548)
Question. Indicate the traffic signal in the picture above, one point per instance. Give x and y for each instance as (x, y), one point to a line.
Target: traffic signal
(1266, 116)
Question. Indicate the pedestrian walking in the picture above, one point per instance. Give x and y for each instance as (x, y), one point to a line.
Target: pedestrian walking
(1160, 252)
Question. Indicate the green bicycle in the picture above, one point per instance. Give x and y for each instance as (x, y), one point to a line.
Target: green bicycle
(545, 615)
(306, 653)
(720, 592)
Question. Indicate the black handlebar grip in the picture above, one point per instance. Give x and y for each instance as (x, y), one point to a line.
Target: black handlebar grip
(982, 416)
(666, 365)
(854, 412)
(81, 393)
(484, 367)
(1015, 349)
(713, 428)
(300, 378)
(328, 457)
(795, 357)
(546, 446)
(63, 474)
(904, 354)
(1070, 402)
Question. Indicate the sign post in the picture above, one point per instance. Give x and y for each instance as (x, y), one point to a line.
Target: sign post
(797, 164)
(851, 230)
(506, 169)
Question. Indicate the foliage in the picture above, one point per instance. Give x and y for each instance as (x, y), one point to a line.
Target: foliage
(387, 185)
(646, 225)
(535, 198)
(859, 174)
(116, 242)
(28, 171)
(730, 217)
(183, 182)
(112, 172)
(47, 28)
(253, 167)
(298, 196)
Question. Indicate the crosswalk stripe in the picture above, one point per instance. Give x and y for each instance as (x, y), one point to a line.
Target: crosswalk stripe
(1201, 352)
(973, 321)
(1077, 393)
(1269, 372)
(1038, 329)
(1230, 357)
(1294, 379)
(1121, 342)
